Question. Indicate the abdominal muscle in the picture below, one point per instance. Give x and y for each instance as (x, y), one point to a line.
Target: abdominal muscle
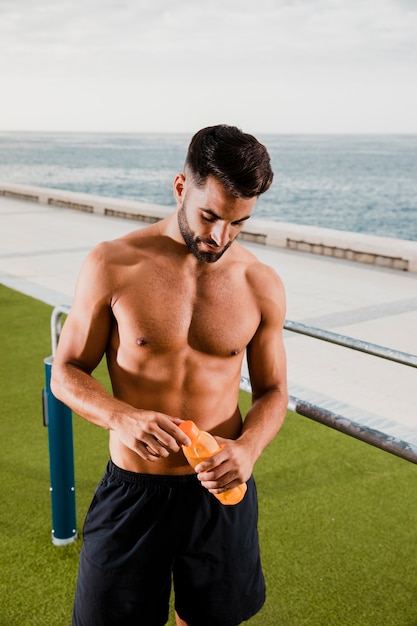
(174, 464)
(213, 409)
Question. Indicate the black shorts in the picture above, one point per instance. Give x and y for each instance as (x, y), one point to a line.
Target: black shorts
(142, 531)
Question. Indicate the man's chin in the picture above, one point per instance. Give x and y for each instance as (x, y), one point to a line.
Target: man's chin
(208, 257)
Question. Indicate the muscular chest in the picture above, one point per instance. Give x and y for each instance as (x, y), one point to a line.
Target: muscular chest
(169, 312)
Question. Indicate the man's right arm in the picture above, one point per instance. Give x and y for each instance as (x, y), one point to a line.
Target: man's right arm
(81, 346)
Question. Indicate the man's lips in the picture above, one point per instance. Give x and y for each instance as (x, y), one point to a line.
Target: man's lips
(211, 247)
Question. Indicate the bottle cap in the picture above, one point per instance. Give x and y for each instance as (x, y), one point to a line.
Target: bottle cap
(190, 429)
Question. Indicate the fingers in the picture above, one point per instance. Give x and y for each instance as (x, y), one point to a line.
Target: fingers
(151, 449)
(219, 478)
(160, 445)
(212, 463)
(226, 482)
(159, 436)
(155, 450)
(223, 471)
(169, 433)
(179, 435)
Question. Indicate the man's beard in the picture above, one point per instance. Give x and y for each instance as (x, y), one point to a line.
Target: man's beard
(192, 240)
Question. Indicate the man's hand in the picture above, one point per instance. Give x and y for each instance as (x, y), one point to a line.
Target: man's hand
(228, 468)
(151, 434)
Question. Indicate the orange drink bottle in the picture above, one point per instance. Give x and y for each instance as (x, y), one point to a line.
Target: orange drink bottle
(203, 446)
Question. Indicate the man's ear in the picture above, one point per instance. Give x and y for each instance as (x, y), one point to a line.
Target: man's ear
(179, 188)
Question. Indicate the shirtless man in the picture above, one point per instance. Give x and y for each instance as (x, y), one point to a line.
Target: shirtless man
(174, 306)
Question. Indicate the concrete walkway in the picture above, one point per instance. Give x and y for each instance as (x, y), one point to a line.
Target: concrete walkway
(42, 248)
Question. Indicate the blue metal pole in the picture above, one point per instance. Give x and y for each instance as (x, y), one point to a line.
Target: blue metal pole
(58, 419)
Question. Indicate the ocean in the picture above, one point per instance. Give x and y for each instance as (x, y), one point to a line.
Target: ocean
(359, 183)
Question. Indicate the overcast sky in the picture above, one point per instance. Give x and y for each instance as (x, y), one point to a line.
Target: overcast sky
(316, 66)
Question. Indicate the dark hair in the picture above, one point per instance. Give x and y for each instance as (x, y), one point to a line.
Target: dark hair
(237, 160)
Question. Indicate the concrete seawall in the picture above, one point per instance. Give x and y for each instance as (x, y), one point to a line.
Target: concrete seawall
(386, 252)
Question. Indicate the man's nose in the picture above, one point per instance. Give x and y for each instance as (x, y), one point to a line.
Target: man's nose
(220, 233)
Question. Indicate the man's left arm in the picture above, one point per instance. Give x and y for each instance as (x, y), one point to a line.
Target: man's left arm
(268, 376)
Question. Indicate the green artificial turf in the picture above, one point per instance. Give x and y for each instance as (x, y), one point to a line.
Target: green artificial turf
(338, 518)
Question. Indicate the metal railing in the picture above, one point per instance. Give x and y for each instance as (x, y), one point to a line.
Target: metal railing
(355, 344)
(344, 424)
(56, 324)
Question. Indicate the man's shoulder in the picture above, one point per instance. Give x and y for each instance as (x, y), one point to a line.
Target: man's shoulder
(132, 244)
(254, 267)
(262, 278)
